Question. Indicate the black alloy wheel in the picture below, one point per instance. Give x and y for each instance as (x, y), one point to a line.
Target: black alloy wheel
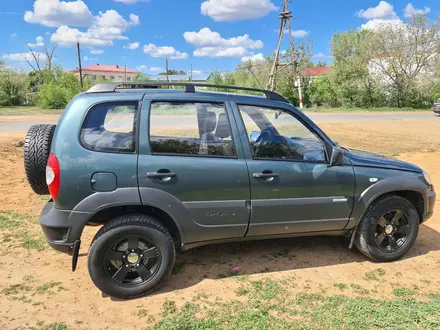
(132, 260)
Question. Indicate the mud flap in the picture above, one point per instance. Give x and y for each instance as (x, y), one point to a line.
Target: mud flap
(353, 235)
(75, 253)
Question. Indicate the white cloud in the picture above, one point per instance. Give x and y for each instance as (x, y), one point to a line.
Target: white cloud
(253, 58)
(66, 36)
(320, 55)
(142, 68)
(375, 24)
(207, 38)
(108, 26)
(195, 72)
(55, 13)
(299, 33)
(410, 11)
(132, 46)
(13, 35)
(236, 10)
(39, 42)
(211, 44)
(220, 52)
(380, 16)
(130, 2)
(165, 51)
(156, 69)
(383, 11)
(23, 56)
(86, 58)
(96, 51)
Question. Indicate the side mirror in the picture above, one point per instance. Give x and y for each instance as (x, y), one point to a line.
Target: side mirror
(337, 156)
(254, 136)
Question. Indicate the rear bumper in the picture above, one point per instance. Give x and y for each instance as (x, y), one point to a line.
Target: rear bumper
(62, 228)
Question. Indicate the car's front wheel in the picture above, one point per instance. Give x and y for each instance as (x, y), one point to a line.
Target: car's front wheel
(388, 229)
(131, 256)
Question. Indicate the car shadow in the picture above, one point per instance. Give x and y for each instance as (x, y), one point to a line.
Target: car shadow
(277, 255)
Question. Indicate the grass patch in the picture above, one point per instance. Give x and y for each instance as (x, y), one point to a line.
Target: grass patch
(373, 275)
(16, 289)
(403, 292)
(179, 267)
(169, 307)
(18, 226)
(46, 287)
(51, 326)
(340, 286)
(28, 111)
(359, 289)
(266, 306)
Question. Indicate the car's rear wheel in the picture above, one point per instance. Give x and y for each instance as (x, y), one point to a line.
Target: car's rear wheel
(388, 229)
(131, 256)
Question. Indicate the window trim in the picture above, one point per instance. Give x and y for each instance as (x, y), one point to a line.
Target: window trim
(223, 103)
(291, 113)
(136, 120)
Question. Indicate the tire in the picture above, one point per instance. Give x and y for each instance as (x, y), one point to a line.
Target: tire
(36, 152)
(104, 273)
(367, 238)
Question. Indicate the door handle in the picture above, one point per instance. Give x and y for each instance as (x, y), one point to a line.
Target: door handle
(264, 175)
(161, 175)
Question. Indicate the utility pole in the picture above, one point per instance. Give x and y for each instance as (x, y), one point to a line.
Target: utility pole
(166, 64)
(285, 17)
(79, 66)
(191, 75)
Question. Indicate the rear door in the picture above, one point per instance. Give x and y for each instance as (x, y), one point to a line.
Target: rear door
(190, 166)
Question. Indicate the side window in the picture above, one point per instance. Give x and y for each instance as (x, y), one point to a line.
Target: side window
(110, 127)
(190, 128)
(275, 134)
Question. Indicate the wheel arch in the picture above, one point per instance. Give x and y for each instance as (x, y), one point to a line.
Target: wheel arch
(410, 188)
(104, 215)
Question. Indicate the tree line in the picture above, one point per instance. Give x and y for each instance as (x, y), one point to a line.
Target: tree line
(394, 65)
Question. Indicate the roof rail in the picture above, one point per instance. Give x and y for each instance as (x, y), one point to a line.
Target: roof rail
(189, 88)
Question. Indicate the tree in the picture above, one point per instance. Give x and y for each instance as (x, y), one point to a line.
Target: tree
(141, 77)
(405, 56)
(173, 73)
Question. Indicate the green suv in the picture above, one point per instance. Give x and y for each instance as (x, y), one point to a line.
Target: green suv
(162, 170)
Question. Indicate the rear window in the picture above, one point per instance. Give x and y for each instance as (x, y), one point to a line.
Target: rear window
(110, 127)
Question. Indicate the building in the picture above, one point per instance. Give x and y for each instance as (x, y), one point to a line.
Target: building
(107, 72)
(315, 72)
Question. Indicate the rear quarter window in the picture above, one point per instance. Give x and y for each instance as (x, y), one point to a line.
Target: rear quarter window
(110, 127)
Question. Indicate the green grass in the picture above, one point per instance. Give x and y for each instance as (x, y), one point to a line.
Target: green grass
(335, 110)
(16, 289)
(51, 326)
(340, 286)
(46, 287)
(28, 111)
(18, 227)
(373, 275)
(268, 305)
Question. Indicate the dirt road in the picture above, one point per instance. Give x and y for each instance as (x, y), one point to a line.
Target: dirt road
(38, 289)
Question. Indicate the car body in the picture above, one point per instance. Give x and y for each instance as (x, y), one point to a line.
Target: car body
(436, 107)
(207, 167)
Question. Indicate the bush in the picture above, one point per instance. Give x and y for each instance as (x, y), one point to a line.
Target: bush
(53, 96)
(12, 88)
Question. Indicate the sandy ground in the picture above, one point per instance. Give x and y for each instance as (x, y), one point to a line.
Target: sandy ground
(313, 264)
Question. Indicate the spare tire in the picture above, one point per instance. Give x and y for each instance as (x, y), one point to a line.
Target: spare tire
(36, 152)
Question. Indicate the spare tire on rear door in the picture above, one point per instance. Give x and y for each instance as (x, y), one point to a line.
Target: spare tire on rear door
(36, 152)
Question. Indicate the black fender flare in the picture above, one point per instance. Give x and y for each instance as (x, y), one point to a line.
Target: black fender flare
(91, 205)
(385, 186)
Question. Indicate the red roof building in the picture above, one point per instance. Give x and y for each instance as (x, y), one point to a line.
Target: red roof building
(316, 72)
(108, 72)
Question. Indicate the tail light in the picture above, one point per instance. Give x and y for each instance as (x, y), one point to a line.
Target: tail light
(53, 176)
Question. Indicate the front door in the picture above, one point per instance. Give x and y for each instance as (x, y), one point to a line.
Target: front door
(293, 190)
(190, 166)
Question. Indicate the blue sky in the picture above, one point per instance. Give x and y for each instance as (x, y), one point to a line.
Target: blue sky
(209, 34)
